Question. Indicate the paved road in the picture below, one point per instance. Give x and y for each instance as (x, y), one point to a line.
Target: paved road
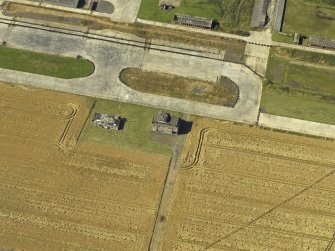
(110, 57)
(297, 125)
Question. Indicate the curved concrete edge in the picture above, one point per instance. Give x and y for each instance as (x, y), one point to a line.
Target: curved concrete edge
(297, 125)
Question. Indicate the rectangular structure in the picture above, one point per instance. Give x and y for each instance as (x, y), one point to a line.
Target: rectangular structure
(279, 16)
(65, 3)
(259, 13)
(322, 42)
(193, 21)
(106, 121)
(163, 122)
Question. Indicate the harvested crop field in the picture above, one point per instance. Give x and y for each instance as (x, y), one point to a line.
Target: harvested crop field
(60, 193)
(245, 188)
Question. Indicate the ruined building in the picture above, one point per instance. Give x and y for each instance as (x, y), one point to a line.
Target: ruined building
(163, 122)
(106, 121)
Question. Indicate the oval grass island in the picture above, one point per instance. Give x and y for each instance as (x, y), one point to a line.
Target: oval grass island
(224, 92)
(44, 64)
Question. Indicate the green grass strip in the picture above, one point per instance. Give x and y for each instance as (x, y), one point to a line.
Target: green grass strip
(44, 64)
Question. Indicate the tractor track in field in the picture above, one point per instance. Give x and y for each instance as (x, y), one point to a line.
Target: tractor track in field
(265, 229)
(204, 131)
(262, 202)
(53, 191)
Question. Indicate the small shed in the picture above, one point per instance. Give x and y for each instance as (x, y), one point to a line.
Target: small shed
(107, 121)
(193, 21)
(163, 122)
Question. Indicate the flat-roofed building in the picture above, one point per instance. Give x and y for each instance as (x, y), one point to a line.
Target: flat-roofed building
(65, 3)
(259, 14)
(279, 15)
(193, 21)
(322, 42)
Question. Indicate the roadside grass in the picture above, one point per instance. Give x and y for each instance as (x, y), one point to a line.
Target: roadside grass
(136, 132)
(234, 48)
(220, 93)
(297, 106)
(300, 85)
(282, 38)
(234, 16)
(44, 64)
(312, 17)
(302, 70)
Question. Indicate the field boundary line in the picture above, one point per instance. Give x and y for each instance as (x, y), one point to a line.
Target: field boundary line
(86, 120)
(276, 140)
(331, 243)
(267, 179)
(74, 167)
(209, 129)
(251, 222)
(36, 113)
(265, 203)
(44, 240)
(237, 149)
(22, 135)
(44, 189)
(101, 156)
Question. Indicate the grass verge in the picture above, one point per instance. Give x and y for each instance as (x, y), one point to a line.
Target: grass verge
(221, 93)
(300, 85)
(233, 15)
(136, 132)
(317, 18)
(44, 64)
(299, 106)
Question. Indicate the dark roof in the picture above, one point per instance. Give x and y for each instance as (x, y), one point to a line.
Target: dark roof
(322, 42)
(258, 18)
(193, 21)
(65, 3)
(279, 15)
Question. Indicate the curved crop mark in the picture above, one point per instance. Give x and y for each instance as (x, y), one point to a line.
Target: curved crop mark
(70, 118)
(199, 148)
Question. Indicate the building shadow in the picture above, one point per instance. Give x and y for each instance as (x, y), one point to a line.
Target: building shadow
(185, 127)
(122, 123)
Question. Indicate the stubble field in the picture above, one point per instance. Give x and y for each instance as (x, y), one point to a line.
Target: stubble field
(60, 193)
(245, 188)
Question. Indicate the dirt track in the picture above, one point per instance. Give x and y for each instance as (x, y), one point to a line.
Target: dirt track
(58, 194)
(245, 188)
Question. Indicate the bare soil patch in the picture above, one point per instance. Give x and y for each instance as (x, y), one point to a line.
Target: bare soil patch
(58, 193)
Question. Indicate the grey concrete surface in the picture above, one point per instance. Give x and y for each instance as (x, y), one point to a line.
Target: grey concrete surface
(110, 58)
(125, 11)
(297, 125)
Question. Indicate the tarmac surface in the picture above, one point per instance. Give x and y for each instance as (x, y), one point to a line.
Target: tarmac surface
(110, 58)
(297, 125)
